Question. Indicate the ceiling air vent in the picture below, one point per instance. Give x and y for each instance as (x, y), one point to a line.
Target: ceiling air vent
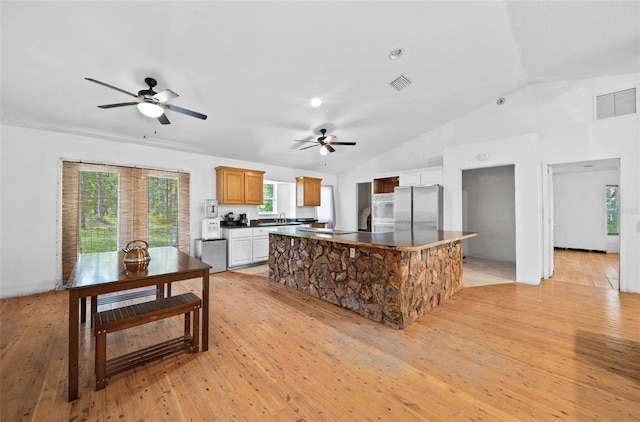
(616, 104)
(400, 82)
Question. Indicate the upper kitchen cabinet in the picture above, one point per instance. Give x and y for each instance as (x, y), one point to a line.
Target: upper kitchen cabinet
(308, 191)
(236, 186)
(431, 176)
(385, 184)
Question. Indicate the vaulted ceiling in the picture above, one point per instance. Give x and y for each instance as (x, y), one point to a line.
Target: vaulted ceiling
(253, 68)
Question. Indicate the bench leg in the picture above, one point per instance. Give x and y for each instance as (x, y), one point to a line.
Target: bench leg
(101, 360)
(196, 330)
(187, 323)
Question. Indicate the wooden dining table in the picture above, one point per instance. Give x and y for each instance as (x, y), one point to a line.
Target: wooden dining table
(97, 274)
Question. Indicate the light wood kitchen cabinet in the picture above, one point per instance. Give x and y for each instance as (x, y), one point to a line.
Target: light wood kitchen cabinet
(236, 186)
(308, 191)
(385, 184)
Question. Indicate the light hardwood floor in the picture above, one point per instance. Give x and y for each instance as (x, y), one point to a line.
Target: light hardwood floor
(494, 353)
(575, 267)
(587, 268)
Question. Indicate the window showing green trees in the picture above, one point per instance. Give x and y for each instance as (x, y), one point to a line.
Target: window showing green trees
(612, 209)
(163, 211)
(268, 198)
(98, 211)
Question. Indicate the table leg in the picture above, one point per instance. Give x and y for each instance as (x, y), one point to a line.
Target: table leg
(83, 309)
(205, 310)
(74, 333)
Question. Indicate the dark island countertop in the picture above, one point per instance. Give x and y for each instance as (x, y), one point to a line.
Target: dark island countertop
(265, 223)
(400, 240)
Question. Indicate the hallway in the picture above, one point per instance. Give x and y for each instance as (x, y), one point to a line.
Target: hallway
(575, 267)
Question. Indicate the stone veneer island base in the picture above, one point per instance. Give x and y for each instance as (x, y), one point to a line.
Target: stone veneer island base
(393, 278)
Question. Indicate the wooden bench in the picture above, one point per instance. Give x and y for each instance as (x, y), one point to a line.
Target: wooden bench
(118, 319)
(158, 292)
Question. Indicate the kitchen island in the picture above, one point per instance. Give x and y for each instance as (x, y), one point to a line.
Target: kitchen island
(393, 278)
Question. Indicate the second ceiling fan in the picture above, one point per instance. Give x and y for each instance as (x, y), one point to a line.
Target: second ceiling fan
(325, 142)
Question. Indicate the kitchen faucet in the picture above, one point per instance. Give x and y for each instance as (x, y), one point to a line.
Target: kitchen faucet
(283, 218)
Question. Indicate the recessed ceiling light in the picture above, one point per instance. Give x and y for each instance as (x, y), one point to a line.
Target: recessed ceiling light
(316, 102)
(395, 54)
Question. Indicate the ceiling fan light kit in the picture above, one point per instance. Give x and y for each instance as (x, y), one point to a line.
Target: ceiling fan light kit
(150, 109)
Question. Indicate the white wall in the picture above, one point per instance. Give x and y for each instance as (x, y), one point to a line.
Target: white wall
(522, 152)
(579, 209)
(490, 210)
(560, 116)
(30, 186)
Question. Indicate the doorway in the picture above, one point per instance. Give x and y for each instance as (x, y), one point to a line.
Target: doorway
(363, 206)
(582, 237)
(488, 208)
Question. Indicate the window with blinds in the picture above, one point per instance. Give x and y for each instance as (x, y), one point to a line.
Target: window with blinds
(104, 207)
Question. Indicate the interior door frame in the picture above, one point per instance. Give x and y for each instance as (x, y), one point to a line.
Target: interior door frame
(547, 221)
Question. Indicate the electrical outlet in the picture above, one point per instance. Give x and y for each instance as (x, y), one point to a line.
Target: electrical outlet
(352, 252)
(291, 241)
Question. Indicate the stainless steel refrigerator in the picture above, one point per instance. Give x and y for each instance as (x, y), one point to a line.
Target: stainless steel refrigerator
(418, 207)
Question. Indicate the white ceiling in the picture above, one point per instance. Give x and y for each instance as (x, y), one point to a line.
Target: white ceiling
(253, 67)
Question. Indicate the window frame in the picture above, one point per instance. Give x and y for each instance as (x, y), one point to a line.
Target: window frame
(133, 207)
(608, 209)
(274, 199)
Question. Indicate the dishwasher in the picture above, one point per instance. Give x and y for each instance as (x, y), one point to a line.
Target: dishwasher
(212, 252)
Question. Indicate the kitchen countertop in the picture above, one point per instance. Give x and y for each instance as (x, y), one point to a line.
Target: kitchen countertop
(399, 240)
(266, 225)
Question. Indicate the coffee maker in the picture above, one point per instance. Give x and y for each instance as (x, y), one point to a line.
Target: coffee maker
(243, 220)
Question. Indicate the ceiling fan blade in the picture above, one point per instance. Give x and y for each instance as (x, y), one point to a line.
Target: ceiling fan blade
(302, 140)
(310, 146)
(185, 111)
(343, 143)
(163, 120)
(329, 139)
(112, 87)
(329, 148)
(118, 105)
(165, 95)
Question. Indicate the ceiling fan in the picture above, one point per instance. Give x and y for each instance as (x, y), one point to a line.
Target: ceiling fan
(151, 103)
(324, 142)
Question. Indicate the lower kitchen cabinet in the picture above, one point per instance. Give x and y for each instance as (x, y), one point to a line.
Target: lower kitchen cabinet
(246, 246)
(260, 246)
(240, 245)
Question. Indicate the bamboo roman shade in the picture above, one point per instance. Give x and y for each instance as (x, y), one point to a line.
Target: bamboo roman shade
(121, 208)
